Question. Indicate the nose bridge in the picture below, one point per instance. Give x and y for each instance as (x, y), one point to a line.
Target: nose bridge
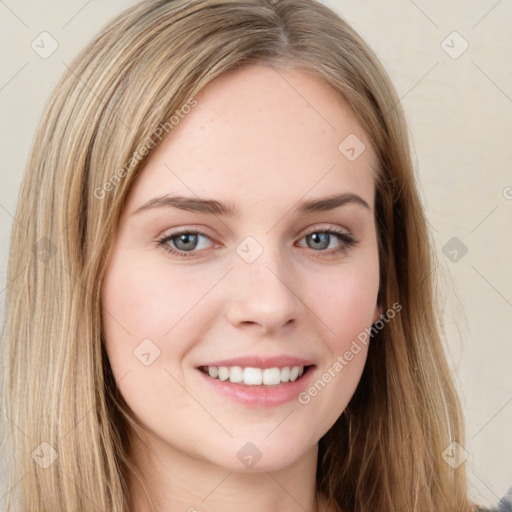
(263, 291)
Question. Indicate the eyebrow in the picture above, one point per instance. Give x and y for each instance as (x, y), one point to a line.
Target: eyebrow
(212, 206)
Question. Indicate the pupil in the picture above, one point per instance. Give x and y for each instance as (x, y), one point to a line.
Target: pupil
(187, 240)
(317, 238)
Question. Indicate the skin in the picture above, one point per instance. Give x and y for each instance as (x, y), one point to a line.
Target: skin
(262, 140)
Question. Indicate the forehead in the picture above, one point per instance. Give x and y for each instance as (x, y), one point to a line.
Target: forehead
(261, 134)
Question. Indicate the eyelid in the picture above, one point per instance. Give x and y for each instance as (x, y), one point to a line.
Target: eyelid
(203, 231)
(166, 237)
(345, 237)
(174, 232)
(324, 227)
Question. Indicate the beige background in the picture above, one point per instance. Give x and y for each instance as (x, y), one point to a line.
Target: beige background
(460, 115)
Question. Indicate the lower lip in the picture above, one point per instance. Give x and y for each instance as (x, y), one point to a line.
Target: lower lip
(261, 396)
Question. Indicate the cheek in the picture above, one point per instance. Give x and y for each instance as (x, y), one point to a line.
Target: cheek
(141, 306)
(346, 303)
(135, 309)
(144, 300)
(345, 300)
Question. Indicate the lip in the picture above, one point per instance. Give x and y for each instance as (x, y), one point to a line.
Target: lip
(261, 362)
(261, 396)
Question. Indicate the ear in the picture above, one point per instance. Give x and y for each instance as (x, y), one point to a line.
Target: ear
(377, 313)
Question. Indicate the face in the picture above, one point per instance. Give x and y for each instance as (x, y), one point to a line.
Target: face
(261, 277)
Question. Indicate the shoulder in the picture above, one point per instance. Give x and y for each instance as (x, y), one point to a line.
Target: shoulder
(505, 504)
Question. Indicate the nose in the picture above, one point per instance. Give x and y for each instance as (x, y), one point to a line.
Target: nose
(263, 295)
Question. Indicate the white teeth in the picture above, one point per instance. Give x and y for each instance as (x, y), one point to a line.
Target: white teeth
(236, 374)
(255, 376)
(271, 376)
(252, 376)
(223, 373)
(294, 373)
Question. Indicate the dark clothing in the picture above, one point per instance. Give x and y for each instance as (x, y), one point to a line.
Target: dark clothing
(505, 504)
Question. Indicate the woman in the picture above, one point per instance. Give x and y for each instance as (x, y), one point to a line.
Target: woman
(289, 358)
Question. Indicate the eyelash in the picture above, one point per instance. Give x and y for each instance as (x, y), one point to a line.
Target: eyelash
(347, 242)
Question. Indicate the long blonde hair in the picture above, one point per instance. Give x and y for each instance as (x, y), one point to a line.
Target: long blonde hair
(384, 453)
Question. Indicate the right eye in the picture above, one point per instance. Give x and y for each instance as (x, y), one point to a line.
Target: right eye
(182, 243)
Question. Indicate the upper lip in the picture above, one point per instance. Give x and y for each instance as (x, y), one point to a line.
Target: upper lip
(261, 362)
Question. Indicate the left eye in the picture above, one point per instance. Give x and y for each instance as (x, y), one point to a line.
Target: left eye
(185, 243)
(322, 239)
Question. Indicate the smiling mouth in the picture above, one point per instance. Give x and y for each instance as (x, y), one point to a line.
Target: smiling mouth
(250, 376)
